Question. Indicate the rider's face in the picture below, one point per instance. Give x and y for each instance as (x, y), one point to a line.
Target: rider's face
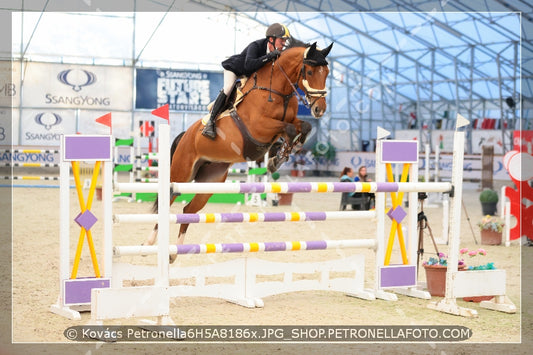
(279, 43)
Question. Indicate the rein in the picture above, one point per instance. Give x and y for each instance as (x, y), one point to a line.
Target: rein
(309, 91)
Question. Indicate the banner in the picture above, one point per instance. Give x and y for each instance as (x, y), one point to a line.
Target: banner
(182, 90)
(9, 84)
(77, 86)
(523, 141)
(6, 129)
(444, 139)
(45, 127)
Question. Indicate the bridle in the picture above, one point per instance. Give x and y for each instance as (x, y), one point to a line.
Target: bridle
(312, 95)
(310, 92)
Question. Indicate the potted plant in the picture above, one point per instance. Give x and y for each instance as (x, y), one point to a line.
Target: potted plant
(436, 268)
(489, 200)
(323, 153)
(491, 230)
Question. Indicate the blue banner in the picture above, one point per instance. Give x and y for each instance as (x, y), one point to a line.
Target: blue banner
(182, 90)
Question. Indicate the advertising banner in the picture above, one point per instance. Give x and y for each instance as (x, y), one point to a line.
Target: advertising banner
(49, 85)
(182, 90)
(444, 139)
(9, 84)
(523, 141)
(45, 127)
(6, 128)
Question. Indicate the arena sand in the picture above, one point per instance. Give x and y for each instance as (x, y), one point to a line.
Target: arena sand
(36, 261)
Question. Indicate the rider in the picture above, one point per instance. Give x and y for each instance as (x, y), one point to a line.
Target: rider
(251, 59)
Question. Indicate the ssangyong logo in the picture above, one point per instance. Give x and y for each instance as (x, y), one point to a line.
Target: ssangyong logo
(77, 78)
(48, 120)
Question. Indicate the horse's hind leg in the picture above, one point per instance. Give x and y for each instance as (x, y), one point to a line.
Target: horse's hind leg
(153, 236)
(209, 172)
(196, 204)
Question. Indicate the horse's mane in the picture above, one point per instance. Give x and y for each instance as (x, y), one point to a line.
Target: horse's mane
(295, 42)
(315, 58)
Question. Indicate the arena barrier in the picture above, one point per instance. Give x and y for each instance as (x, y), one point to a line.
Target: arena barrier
(117, 301)
(30, 165)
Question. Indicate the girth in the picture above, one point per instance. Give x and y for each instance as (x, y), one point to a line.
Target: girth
(252, 149)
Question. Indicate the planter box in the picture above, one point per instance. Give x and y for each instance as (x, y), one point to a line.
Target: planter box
(467, 283)
(479, 283)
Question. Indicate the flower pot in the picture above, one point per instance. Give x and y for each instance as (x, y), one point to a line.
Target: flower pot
(489, 208)
(490, 237)
(436, 279)
(297, 173)
(285, 199)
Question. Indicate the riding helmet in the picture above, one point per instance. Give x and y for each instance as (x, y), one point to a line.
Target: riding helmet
(278, 30)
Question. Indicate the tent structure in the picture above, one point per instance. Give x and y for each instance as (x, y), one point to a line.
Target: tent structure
(395, 64)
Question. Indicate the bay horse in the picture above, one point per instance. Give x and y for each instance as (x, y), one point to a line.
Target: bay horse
(264, 111)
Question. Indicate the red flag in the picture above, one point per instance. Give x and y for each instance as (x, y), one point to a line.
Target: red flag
(105, 120)
(161, 112)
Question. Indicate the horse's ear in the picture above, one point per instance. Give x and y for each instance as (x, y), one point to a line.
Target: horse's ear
(310, 52)
(325, 51)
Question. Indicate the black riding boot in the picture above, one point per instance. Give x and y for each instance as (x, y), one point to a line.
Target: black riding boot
(210, 129)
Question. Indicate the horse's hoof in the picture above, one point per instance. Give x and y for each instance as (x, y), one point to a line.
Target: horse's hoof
(272, 165)
(172, 258)
(143, 255)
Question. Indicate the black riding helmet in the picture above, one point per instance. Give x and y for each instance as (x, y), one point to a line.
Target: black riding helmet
(277, 30)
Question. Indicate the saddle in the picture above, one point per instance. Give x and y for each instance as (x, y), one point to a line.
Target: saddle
(234, 99)
(252, 149)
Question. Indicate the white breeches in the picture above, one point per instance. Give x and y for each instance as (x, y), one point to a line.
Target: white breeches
(229, 80)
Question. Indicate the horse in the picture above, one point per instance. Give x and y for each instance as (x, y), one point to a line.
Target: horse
(264, 111)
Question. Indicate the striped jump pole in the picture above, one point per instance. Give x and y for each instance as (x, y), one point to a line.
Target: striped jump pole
(30, 177)
(294, 187)
(238, 217)
(246, 247)
(32, 151)
(32, 165)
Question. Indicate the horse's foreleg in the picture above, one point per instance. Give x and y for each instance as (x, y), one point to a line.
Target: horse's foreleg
(296, 135)
(304, 128)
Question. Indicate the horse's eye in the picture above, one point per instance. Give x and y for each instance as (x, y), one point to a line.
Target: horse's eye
(309, 72)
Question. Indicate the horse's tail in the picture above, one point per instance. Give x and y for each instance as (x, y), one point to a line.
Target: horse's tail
(172, 150)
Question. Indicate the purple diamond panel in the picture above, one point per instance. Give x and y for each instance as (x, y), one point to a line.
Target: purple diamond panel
(397, 276)
(86, 219)
(398, 214)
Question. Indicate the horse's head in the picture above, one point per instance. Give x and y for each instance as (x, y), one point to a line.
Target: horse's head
(313, 78)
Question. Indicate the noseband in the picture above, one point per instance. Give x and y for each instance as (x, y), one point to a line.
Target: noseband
(310, 92)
